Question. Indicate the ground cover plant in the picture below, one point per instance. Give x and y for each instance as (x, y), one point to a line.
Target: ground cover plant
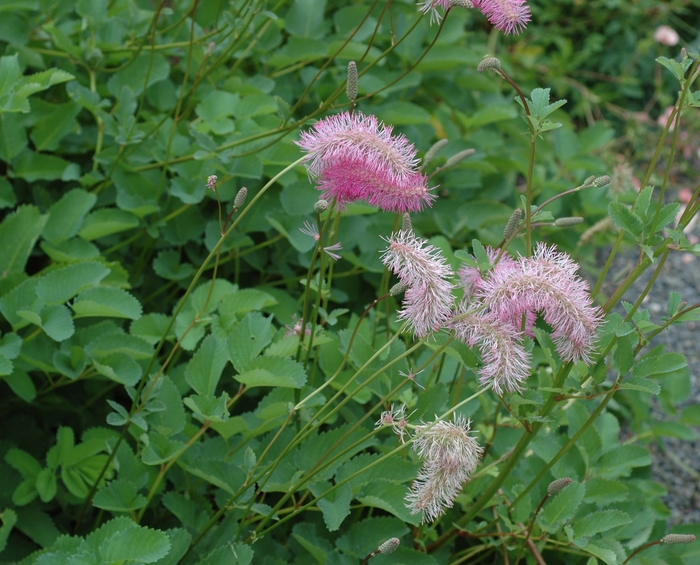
(310, 282)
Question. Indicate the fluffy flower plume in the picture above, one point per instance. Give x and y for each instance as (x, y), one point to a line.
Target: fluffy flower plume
(422, 269)
(356, 157)
(546, 282)
(450, 455)
(506, 363)
(510, 16)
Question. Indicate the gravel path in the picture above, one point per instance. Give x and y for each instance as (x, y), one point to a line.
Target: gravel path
(676, 463)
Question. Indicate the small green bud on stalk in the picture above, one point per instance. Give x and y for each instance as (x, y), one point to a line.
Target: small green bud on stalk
(240, 198)
(569, 221)
(397, 289)
(321, 206)
(512, 225)
(601, 181)
(458, 158)
(390, 545)
(489, 63)
(351, 86)
(466, 4)
(589, 181)
(558, 485)
(678, 538)
(430, 154)
(406, 224)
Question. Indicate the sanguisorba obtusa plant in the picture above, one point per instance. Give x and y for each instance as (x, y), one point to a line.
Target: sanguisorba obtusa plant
(467, 424)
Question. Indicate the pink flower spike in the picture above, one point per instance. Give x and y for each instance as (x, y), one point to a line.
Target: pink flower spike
(356, 157)
(510, 16)
(422, 269)
(666, 35)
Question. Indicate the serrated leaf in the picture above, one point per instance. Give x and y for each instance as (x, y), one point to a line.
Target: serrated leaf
(642, 384)
(21, 384)
(208, 408)
(601, 521)
(111, 302)
(620, 461)
(335, 506)
(150, 327)
(18, 233)
(390, 497)
(625, 219)
(252, 334)
(66, 216)
(204, 369)
(9, 519)
(273, 371)
(107, 221)
(57, 322)
(60, 285)
(138, 544)
(167, 265)
(660, 364)
(606, 555)
(562, 507)
(160, 449)
(119, 496)
(119, 367)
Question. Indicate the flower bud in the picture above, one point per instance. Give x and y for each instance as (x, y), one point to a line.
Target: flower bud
(466, 4)
(240, 198)
(351, 86)
(397, 289)
(459, 157)
(211, 182)
(390, 545)
(512, 225)
(406, 224)
(558, 485)
(321, 206)
(568, 221)
(601, 181)
(489, 63)
(678, 538)
(430, 154)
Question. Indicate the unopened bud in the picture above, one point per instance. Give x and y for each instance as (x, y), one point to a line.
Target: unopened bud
(589, 180)
(678, 538)
(459, 157)
(430, 154)
(390, 545)
(406, 224)
(569, 221)
(558, 485)
(601, 181)
(321, 206)
(211, 182)
(240, 198)
(489, 63)
(512, 225)
(397, 289)
(351, 86)
(466, 4)
(684, 53)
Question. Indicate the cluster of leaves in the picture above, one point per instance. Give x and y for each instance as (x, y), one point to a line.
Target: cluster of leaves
(155, 407)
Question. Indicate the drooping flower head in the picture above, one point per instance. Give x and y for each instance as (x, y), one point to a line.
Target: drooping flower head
(449, 456)
(546, 282)
(421, 268)
(510, 16)
(356, 157)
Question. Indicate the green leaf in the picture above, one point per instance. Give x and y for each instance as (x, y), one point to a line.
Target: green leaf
(667, 215)
(145, 70)
(620, 461)
(150, 327)
(23, 462)
(107, 221)
(9, 519)
(70, 251)
(606, 555)
(273, 371)
(625, 219)
(204, 369)
(10, 345)
(660, 364)
(13, 138)
(388, 496)
(402, 113)
(335, 505)
(7, 195)
(642, 384)
(57, 322)
(209, 408)
(139, 544)
(678, 69)
(119, 367)
(167, 265)
(252, 334)
(54, 126)
(601, 521)
(161, 449)
(562, 507)
(306, 19)
(171, 420)
(119, 496)
(21, 384)
(60, 285)
(46, 484)
(66, 216)
(112, 302)
(33, 166)
(691, 415)
(605, 492)
(18, 233)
